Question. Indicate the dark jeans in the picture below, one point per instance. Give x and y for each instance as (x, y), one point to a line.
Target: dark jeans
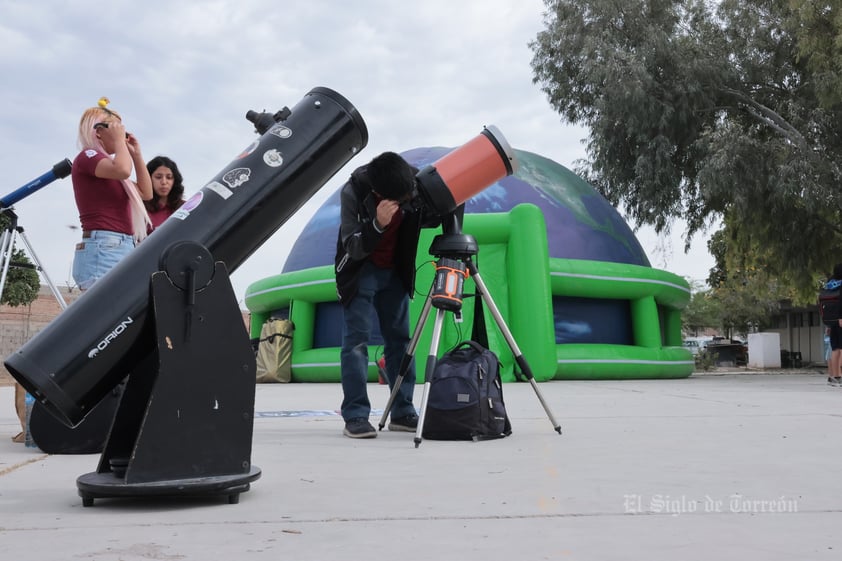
(381, 290)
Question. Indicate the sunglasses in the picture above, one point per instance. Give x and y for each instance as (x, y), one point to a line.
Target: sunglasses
(98, 126)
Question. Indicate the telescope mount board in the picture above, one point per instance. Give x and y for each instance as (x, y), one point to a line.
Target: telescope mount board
(184, 423)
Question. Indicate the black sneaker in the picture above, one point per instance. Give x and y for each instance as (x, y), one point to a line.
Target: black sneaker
(834, 381)
(359, 428)
(408, 423)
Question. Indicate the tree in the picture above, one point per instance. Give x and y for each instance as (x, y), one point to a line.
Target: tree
(702, 312)
(22, 283)
(709, 111)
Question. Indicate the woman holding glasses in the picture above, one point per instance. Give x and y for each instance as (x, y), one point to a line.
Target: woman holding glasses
(110, 203)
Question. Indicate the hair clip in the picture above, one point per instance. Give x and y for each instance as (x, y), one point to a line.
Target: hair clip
(103, 102)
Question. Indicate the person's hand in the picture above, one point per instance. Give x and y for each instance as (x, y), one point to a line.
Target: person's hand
(115, 132)
(133, 144)
(386, 209)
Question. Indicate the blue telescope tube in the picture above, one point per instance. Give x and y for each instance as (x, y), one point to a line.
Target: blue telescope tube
(59, 171)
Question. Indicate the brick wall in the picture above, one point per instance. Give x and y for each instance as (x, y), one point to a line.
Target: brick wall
(18, 325)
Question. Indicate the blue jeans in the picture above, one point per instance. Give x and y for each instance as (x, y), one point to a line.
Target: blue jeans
(98, 254)
(381, 290)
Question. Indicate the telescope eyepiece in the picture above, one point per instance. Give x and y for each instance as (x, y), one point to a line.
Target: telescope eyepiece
(264, 121)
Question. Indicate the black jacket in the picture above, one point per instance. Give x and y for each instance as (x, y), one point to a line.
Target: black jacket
(357, 237)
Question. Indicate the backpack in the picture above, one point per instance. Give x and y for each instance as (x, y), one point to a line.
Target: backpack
(465, 397)
(274, 351)
(829, 307)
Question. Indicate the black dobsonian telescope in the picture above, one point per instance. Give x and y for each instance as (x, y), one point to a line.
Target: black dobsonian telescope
(94, 344)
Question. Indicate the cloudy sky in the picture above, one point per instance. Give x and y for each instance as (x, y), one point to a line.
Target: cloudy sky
(184, 73)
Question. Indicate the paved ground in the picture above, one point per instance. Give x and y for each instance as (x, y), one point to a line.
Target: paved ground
(712, 467)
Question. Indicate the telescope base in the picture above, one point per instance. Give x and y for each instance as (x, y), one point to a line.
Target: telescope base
(108, 485)
(184, 422)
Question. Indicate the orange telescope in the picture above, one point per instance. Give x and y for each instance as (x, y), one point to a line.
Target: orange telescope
(465, 171)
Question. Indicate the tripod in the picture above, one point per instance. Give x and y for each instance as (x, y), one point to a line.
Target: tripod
(452, 245)
(11, 233)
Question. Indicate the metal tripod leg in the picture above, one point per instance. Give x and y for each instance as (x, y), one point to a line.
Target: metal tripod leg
(406, 360)
(507, 334)
(428, 373)
(7, 250)
(41, 270)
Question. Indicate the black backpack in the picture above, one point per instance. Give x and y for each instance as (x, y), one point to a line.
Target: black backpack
(829, 308)
(465, 398)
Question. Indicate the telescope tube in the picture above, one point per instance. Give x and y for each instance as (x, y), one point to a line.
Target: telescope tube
(95, 343)
(465, 171)
(60, 170)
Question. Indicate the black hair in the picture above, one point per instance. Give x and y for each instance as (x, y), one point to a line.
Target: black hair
(176, 195)
(391, 176)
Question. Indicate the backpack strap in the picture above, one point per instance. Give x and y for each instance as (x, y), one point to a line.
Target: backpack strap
(474, 345)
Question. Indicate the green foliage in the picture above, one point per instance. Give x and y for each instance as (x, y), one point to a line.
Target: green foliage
(701, 312)
(709, 111)
(22, 283)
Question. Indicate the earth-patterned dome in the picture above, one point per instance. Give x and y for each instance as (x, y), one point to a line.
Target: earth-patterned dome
(581, 223)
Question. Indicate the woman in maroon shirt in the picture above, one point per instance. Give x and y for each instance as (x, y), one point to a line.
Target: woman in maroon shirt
(167, 189)
(110, 204)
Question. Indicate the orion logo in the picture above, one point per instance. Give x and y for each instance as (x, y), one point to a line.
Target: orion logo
(101, 346)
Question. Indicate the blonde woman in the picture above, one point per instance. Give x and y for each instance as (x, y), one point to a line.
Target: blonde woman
(110, 204)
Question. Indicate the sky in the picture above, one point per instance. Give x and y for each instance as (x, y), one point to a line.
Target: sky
(183, 74)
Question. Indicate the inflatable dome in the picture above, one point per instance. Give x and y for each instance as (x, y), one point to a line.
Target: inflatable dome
(570, 279)
(581, 224)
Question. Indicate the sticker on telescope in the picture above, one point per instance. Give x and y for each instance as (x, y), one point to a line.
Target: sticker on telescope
(236, 177)
(220, 189)
(273, 158)
(191, 203)
(251, 148)
(281, 131)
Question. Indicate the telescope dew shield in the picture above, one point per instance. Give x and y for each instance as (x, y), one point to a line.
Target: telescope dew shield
(96, 342)
(462, 173)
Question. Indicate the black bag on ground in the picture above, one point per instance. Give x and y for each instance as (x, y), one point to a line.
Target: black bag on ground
(465, 399)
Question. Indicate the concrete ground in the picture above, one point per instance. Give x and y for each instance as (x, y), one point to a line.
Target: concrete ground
(726, 466)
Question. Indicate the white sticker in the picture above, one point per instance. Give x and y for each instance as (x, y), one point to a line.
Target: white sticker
(281, 131)
(220, 189)
(273, 158)
(236, 177)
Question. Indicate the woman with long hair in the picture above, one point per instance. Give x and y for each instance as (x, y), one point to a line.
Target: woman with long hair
(167, 189)
(110, 204)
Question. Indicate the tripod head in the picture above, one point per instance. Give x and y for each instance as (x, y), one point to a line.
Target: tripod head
(452, 243)
(453, 248)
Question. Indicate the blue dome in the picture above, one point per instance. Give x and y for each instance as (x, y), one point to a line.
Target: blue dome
(581, 223)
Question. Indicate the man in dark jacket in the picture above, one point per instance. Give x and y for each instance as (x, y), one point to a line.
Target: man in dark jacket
(375, 270)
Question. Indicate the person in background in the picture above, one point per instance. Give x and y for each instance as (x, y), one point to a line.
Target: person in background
(834, 374)
(110, 204)
(167, 189)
